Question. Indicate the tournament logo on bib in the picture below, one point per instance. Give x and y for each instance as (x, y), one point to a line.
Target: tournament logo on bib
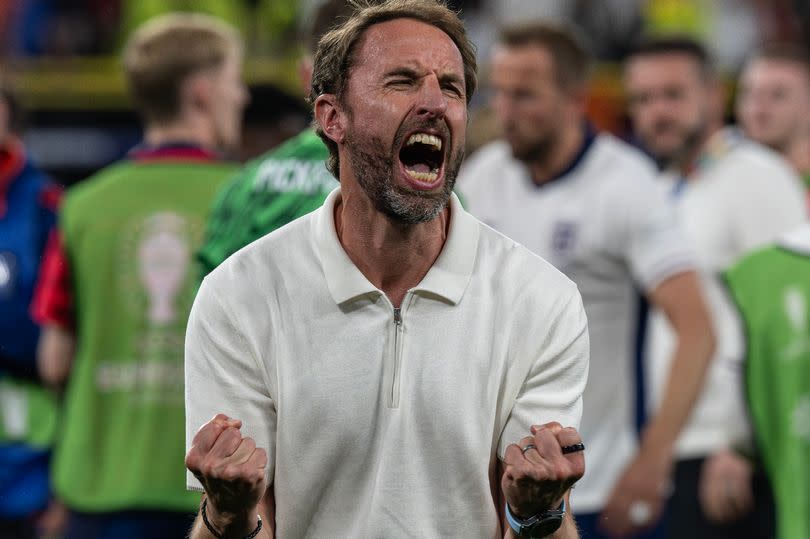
(157, 280)
(157, 273)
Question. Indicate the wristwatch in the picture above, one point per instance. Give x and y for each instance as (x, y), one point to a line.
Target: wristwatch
(541, 525)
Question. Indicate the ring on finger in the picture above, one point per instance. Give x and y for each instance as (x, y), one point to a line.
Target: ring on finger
(639, 513)
(528, 446)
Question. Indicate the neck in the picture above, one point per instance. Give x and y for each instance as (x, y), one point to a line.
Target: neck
(688, 163)
(559, 156)
(798, 154)
(393, 256)
(189, 131)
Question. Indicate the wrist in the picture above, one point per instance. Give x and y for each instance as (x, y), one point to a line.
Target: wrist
(658, 444)
(524, 512)
(229, 524)
(540, 524)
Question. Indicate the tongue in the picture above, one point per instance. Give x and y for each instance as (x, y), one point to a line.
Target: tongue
(419, 167)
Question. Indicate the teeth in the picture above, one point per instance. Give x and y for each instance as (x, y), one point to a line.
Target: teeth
(424, 176)
(424, 138)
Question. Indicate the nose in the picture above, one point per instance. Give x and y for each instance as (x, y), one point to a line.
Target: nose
(432, 101)
(660, 106)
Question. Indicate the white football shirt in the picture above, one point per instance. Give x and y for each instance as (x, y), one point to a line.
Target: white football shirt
(741, 197)
(608, 225)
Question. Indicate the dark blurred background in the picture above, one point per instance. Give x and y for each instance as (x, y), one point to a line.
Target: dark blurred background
(63, 58)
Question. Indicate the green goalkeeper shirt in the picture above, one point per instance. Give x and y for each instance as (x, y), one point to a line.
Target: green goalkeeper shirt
(269, 192)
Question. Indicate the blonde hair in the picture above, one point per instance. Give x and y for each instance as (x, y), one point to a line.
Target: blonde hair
(163, 52)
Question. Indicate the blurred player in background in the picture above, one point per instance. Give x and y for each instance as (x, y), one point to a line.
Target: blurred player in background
(732, 195)
(120, 279)
(28, 203)
(589, 204)
(773, 103)
(286, 183)
(771, 288)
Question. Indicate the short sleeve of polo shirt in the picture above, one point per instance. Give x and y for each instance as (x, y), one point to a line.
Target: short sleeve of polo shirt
(651, 239)
(552, 389)
(223, 376)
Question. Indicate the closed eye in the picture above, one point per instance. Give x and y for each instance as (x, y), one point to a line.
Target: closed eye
(400, 82)
(453, 89)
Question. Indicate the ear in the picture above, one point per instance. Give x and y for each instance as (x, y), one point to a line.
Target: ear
(196, 92)
(331, 117)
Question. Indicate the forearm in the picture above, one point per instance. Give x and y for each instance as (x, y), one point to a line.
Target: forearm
(55, 354)
(685, 379)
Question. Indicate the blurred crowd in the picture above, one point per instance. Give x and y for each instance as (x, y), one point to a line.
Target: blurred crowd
(685, 230)
(729, 28)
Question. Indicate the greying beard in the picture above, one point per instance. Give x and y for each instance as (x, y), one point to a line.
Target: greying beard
(374, 169)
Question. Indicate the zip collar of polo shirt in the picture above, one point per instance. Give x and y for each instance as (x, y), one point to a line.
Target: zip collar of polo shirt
(447, 278)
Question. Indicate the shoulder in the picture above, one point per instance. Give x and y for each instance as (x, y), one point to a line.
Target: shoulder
(86, 189)
(622, 176)
(520, 275)
(38, 183)
(286, 250)
(752, 160)
(297, 166)
(306, 145)
(620, 161)
(493, 156)
(754, 174)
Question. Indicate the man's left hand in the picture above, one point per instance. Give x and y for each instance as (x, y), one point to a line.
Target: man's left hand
(535, 479)
(638, 497)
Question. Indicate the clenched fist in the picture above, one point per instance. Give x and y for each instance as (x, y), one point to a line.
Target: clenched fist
(231, 469)
(536, 471)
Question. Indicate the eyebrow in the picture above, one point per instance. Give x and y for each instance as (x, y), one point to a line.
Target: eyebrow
(402, 72)
(413, 74)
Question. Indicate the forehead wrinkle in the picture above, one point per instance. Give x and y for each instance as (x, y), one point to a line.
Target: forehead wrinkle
(375, 42)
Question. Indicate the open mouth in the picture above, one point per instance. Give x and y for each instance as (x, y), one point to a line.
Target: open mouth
(422, 156)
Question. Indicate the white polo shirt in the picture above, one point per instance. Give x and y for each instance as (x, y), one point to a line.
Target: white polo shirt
(380, 425)
(742, 196)
(608, 225)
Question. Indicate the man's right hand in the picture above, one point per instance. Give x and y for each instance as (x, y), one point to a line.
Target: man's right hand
(232, 472)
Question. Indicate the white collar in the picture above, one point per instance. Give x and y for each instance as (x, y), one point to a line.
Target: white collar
(448, 278)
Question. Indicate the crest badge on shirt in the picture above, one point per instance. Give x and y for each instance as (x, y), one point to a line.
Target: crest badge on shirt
(8, 274)
(563, 240)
